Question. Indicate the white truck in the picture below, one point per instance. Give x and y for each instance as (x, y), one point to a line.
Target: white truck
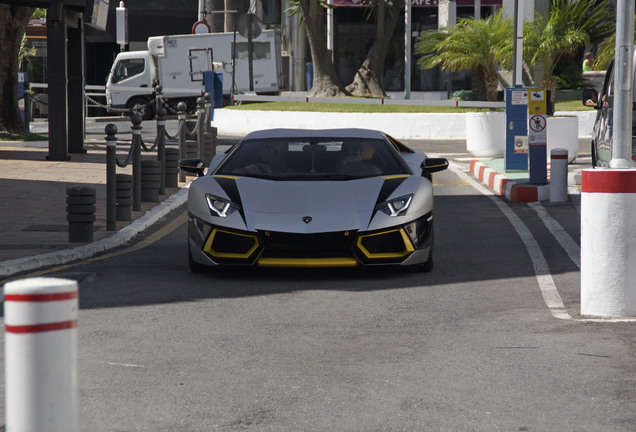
(178, 64)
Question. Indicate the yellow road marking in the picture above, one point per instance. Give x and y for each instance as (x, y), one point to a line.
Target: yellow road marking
(152, 238)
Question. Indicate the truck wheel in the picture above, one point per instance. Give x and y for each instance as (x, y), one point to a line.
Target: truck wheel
(142, 107)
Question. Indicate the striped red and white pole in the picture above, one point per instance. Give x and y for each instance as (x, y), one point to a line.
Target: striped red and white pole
(41, 355)
(558, 175)
(608, 242)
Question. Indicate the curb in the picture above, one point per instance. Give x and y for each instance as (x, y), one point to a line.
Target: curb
(121, 237)
(506, 187)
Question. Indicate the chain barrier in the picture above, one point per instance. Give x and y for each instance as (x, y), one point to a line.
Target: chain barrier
(205, 150)
(128, 159)
(193, 133)
(176, 135)
(145, 147)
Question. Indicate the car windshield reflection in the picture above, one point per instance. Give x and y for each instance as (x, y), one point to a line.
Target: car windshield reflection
(313, 159)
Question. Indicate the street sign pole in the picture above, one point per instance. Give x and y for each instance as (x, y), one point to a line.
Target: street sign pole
(517, 66)
(623, 79)
(537, 136)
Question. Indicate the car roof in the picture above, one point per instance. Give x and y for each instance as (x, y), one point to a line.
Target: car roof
(318, 133)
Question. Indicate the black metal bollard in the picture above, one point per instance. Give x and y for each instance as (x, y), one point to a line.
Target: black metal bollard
(161, 145)
(172, 167)
(124, 197)
(111, 170)
(181, 115)
(201, 127)
(150, 180)
(80, 213)
(211, 143)
(136, 131)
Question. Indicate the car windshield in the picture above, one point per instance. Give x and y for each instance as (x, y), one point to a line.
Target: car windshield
(313, 158)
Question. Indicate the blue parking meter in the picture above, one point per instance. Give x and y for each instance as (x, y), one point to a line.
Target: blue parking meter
(23, 79)
(213, 83)
(516, 154)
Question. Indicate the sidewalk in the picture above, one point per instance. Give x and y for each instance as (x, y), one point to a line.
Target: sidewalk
(33, 206)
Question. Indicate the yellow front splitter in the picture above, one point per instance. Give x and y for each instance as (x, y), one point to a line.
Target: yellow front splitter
(307, 262)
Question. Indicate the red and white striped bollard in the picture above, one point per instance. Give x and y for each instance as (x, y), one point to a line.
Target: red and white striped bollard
(608, 242)
(41, 355)
(558, 175)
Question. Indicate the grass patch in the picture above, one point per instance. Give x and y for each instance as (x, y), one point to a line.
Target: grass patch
(351, 108)
(571, 105)
(363, 108)
(7, 136)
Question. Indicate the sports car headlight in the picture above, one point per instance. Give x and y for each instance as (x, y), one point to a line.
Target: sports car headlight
(220, 206)
(396, 206)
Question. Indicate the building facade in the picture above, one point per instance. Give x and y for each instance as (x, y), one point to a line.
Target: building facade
(353, 35)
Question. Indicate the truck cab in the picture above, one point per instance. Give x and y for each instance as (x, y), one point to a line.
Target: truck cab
(130, 82)
(603, 103)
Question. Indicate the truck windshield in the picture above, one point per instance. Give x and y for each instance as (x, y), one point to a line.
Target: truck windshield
(127, 68)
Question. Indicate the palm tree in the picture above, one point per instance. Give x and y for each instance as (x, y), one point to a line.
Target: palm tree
(605, 53)
(481, 46)
(571, 25)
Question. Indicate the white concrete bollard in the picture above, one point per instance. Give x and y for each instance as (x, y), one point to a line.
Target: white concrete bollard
(558, 175)
(608, 243)
(41, 355)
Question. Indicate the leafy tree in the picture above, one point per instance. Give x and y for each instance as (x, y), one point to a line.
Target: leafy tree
(570, 25)
(367, 81)
(481, 46)
(13, 22)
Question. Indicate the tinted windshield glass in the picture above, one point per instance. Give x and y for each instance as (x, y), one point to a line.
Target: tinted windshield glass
(127, 68)
(319, 159)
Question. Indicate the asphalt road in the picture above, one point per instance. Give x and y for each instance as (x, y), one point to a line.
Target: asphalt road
(471, 346)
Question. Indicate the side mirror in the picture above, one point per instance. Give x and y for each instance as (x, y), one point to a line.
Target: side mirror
(590, 98)
(192, 165)
(431, 165)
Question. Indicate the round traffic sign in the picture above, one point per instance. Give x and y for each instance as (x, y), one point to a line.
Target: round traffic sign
(537, 123)
(200, 27)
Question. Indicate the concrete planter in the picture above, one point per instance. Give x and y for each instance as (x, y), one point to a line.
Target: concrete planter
(563, 132)
(486, 134)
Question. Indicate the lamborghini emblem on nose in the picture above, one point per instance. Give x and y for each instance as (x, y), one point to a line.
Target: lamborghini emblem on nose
(306, 219)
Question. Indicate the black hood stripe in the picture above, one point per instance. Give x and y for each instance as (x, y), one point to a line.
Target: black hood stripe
(228, 184)
(388, 187)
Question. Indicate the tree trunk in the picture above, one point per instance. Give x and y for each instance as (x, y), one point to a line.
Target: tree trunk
(326, 82)
(367, 81)
(492, 86)
(215, 20)
(550, 84)
(483, 85)
(478, 85)
(13, 22)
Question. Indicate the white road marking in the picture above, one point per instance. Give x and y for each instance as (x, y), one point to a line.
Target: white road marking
(125, 365)
(542, 271)
(567, 243)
